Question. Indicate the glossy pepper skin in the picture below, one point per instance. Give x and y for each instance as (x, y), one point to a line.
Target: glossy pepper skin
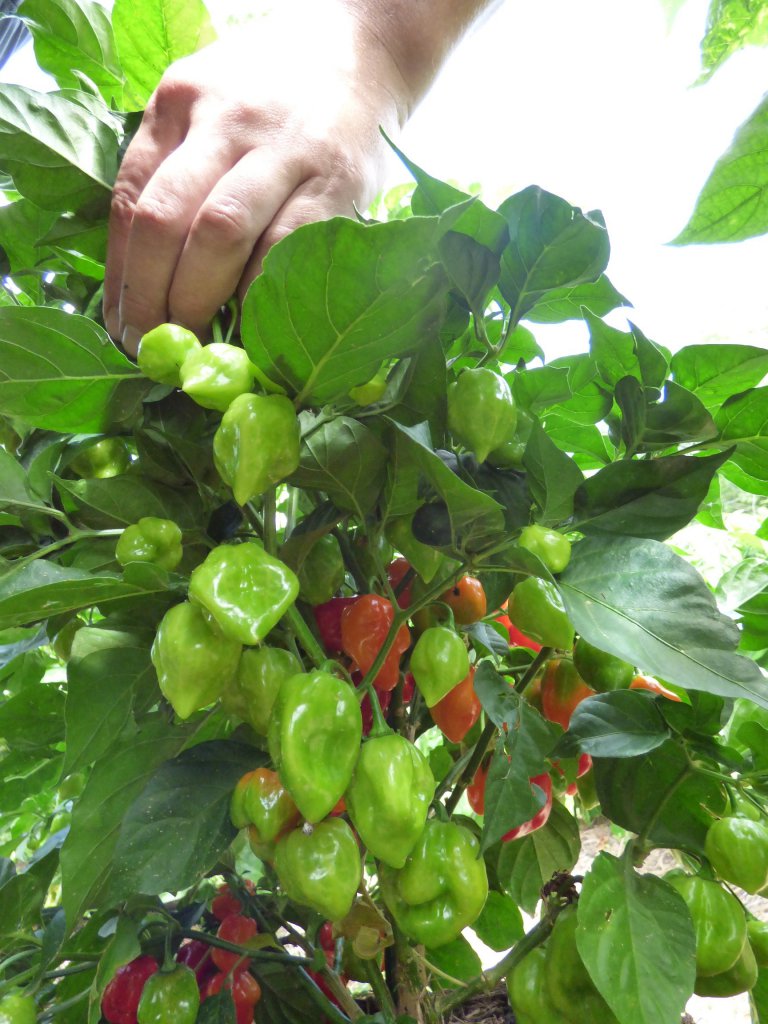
(601, 670)
(481, 411)
(257, 444)
(193, 663)
(319, 866)
(568, 985)
(153, 540)
(737, 849)
(216, 375)
(537, 610)
(438, 663)
(162, 351)
(562, 690)
(737, 979)
(197, 956)
(458, 710)
(262, 801)
(170, 996)
(389, 796)
(540, 818)
(252, 693)
(17, 1008)
(549, 546)
(441, 889)
(246, 992)
(364, 628)
(527, 990)
(757, 934)
(314, 740)
(245, 590)
(120, 1002)
(239, 930)
(103, 460)
(718, 921)
(328, 618)
(652, 685)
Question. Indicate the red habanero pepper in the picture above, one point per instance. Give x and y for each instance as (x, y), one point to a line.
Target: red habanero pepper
(459, 709)
(239, 930)
(225, 902)
(409, 688)
(516, 638)
(653, 686)
(476, 797)
(364, 628)
(328, 619)
(246, 992)
(396, 572)
(120, 1002)
(197, 956)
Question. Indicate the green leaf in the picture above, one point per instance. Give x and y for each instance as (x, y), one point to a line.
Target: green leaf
(553, 477)
(541, 388)
(638, 600)
(22, 226)
(614, 352)
(510, 798)
(743, 421)
(336, 298)
(33, 719)
(579, 440)
(123, 947)
(526, 864)
(733, 204)
(119, 501)
(188, 799)
(680, 416)
(552, 245)
(61, 372)
(424, 395)
(630, 398)
(588, 402)
(457, 959)
(500, 924)
(731, 24)
(619, 724)
(58, 153)
(151, 35)
(660, 791)
(758, 999)
(716, 372)
(218, 1009)
(637, 928)
(283, 1003)
(22, 895)
(653, 498)
(561, 304)
(14, 496)
(75, 34)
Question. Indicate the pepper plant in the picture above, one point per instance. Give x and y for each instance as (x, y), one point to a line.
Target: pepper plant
(318, 641)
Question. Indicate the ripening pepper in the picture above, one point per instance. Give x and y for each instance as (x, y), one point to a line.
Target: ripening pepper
(216, 375)
(162, 351)
(245, 590)
(246, 992)
(257, 444)
(314, 740)
(17, 1008)
(568, 983)
(170, 996)
(601, 670)
(537, 609)
(562, 690)
(252, 693)
(718, 922)
(389, 796)
(262, 801)
(737, 849)
(193, 664)
(319, 866)
(441, 889)
(737, 979)
(438, 663)
(458, 710)
(549, 546)
(527, 990)
(481, 411)
(365, 624)
(320, 569)
(153, 540)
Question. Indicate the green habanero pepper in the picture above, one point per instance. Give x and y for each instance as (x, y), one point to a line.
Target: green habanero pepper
(389, 796)
(439, 662)
(245, 590)
(193, 663)
(549, 546)
(373, 389)
(320, 568)
(568, 983)
(601, 670)
(257, 444)
(527, 990)
(737, 979)
(509, 455)
(441, 889)
(252, 693)
(537, 609)
(214, 376)
(757, 934)
(481, 411)
(314, 740)
(163, 350)
(261, 801)
(718, 921)
(103, 460)
(153, 540)
(319, 866)
(737, 849)
(170, 996)
(16, 1008)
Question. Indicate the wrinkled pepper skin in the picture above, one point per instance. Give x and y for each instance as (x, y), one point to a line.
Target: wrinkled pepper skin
(562, 690)
(458, 710)
(481, 411)
(737, 849)
(314, 740)
(16, 1008)
(193, 664)
(527, 990)
(120, 1002)
(245, 590)
(262, 801)
(328, 618)
(153, 540)
(549, 546)
(718, 921)
(737, 979)
(441, 889)
(170, 996)
(320, 867)
(364, 627)
(537, 609)
(252, 693)
(568, 985)
(257, 444)
(600, 670)
(389, 796)
(163, 350)
(216, 375)
(438, 663)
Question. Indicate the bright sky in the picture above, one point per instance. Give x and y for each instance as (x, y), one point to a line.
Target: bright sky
(593, 101)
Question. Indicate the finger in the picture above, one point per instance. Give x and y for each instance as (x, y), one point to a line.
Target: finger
(226, 229)
(161, 221)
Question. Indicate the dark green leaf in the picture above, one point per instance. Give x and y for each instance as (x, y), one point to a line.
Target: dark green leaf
(653, 359)
(118, 501)
(619, 724)
(630, 398)
(218, 1009)
(562, 304)
(589, 401)
(553, 477)
(614, 351)
(526, 864)
(22, 895)
(457, 959)
(680, 416)
(34, 718)
(716, 372)
(424, 394)
(743, 421)
(500, 924)
(283, 1003)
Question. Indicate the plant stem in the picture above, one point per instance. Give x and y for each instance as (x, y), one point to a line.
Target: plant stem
(269, 511)
(276, 956)
(380, 991)
(341, 992)
(472, 765)
(543, 656)
(305, 636)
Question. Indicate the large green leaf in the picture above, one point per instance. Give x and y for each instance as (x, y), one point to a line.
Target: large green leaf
(61, 371)
(618, 724)
(733, 204)
(121, 500)
(525, 865)
(716, 372)
(638, 600)
(743, 421)
(14, 495)
(553, 477)
(619, 911)
(562, 304)
(338, 297)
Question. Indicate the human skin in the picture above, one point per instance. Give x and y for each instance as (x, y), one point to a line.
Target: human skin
(259, 133)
